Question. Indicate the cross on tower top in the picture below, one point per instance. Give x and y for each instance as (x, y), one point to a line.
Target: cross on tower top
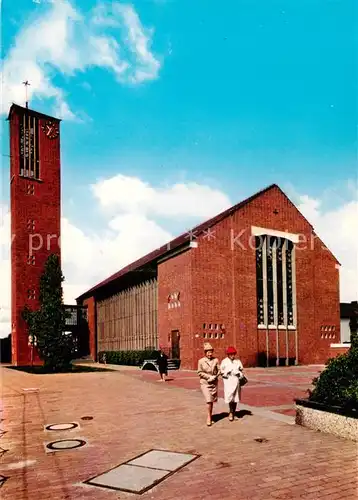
(26, 83)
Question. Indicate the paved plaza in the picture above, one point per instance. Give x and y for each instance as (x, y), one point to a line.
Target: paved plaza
(120, 415)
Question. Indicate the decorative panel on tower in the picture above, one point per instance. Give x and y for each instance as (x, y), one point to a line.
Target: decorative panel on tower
(35, 198)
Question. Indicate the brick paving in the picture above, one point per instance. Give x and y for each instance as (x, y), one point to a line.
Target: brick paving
(132, 414)
(266, 388)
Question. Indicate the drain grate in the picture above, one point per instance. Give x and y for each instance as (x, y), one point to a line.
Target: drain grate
(65, 444)
(87, 418)
(143, 472)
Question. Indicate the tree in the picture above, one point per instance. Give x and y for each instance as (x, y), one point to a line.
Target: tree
(47, 325)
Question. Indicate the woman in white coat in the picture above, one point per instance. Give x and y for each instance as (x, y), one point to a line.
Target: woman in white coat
(231, 370)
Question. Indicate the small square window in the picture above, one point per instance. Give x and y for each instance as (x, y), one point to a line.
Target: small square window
(30, 189)
(31, 294)
(31, 260)
(30, 225)
(222, 335)
(204, 335)
(204, 326)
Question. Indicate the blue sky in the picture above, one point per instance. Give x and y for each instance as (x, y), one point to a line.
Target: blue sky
(237, 95)
(254, 89)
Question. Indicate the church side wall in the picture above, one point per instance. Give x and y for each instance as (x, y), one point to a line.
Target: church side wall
(128, 320)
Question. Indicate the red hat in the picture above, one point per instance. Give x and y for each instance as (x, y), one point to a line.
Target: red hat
(231, 350)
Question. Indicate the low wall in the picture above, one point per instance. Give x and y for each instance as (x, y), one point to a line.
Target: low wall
(330, 420)
(337, 349)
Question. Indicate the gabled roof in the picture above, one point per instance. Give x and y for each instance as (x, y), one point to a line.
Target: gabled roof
(22, 109)
(153, 256)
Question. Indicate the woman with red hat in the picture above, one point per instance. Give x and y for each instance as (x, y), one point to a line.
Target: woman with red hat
(231, 370)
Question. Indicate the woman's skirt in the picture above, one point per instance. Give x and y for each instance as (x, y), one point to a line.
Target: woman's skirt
(210, 392)
(232, 390)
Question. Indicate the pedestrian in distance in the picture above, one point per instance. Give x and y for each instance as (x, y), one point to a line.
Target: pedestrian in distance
(231, 370)
(162, 362)
(209, 371)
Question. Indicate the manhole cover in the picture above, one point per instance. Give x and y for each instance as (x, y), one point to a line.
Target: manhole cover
(61, 427)
(86, 418)
(3, 479)
(66, 444)
(142, 473)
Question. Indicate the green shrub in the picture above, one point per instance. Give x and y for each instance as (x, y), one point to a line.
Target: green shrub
(337, 385)
(130, 358)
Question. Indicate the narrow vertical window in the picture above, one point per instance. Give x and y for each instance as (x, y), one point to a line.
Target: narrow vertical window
(289, 283)
(280, 314)
(270, 298)
(29, 147)
(260, 281)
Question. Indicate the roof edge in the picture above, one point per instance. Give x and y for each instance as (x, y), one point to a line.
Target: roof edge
(15, 106)
(176, 242)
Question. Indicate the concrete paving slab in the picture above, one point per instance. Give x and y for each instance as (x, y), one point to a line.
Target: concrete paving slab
(163, 460)
(129, 478)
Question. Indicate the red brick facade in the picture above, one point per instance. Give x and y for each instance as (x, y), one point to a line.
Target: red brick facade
(217, 285)
(35, 221)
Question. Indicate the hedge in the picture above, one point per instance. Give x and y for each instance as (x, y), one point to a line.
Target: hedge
(337, 385)
(130, 358)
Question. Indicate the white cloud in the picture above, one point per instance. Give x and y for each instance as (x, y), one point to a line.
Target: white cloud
(338, 229)
(62, 39)
(170, 201)
(133, 229)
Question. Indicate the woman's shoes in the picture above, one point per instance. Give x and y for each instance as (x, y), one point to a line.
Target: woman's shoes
(209, 422)
(231, 417)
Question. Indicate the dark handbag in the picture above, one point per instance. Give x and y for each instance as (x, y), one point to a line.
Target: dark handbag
(243, 381)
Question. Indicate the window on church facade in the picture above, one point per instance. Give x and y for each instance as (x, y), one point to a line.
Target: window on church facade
(275, 282)
(29, 147)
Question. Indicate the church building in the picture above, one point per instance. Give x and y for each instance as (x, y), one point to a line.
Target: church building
(256, 276)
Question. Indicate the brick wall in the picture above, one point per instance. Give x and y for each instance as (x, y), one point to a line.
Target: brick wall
(42, 205)
(223, 279)
(337, 351)
(175, 275)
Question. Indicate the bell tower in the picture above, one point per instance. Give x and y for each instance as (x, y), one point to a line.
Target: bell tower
(35, 199)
